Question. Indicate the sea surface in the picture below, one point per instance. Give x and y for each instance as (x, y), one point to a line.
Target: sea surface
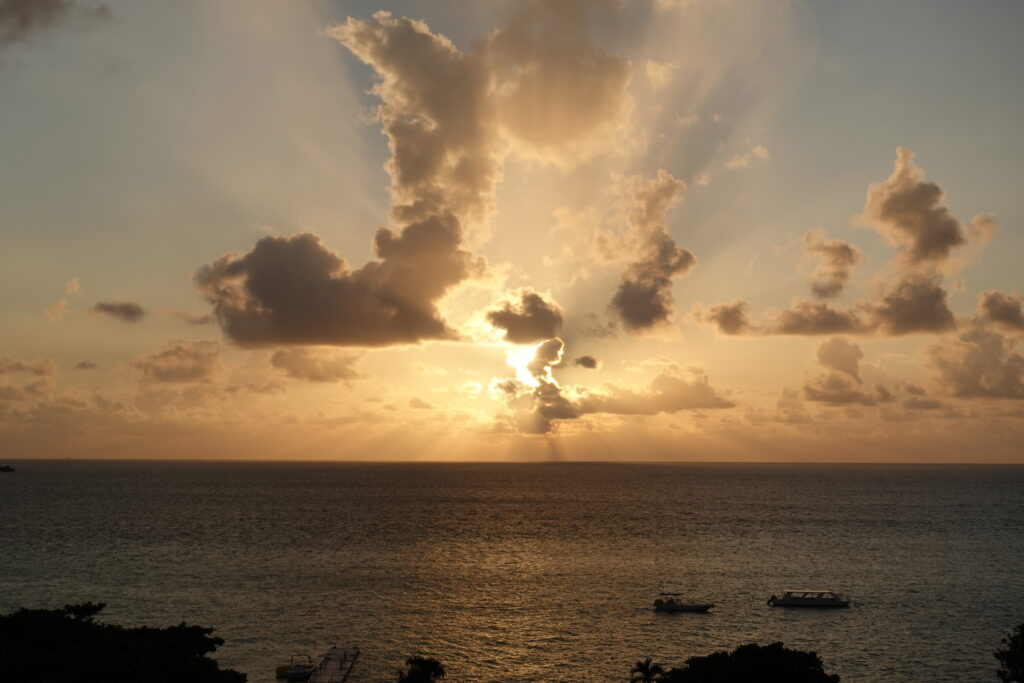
(530, 572)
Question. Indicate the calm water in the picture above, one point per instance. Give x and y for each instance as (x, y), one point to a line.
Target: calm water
(530, 572)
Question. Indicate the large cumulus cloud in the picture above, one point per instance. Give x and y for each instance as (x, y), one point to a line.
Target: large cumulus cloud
(643, 299)
(980, 363)
(439, 110)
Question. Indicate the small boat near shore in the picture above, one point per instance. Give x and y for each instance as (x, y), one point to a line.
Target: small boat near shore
(6, 468)
(299, 668)
(672, 602)
(809, 599)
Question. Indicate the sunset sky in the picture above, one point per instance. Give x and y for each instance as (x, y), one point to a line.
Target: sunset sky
(622, 230)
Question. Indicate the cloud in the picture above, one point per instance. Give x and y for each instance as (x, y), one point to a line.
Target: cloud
(530, 320)
(839, 354)
(914, 303)
(730, 319)
(836, 259)
(1002, 309)
(659, 75)
(439, 112)
(419, 404)
(911, 214)
(125, 311)
(39, 367)
(979, 363)
(916, 403)
(669, 392)
(558, 95)
(194, 318)
(757, 152)
(644, 296)
(541, 401)
(85, 365)
(181, 361)
(19, 19)
(315, 366)
(294, 290)
(815, 317)
(836, 388)
(62, 306)
(588, 362)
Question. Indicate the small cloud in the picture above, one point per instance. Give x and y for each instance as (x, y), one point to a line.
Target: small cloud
(588, 362)
(85, 365)
(659, 74)
(193, 318)
(316, 366)
(181, 361)
(125, 311)
(756, 153)
(530, 320)
(419, 404)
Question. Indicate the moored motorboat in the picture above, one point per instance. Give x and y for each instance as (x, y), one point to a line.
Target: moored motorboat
(671, 602)
(300, 668)
(809, 599)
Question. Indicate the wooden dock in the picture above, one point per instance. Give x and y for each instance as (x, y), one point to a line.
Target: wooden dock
(335, 665)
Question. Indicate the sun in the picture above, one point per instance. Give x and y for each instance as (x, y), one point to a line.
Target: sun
(519, 358)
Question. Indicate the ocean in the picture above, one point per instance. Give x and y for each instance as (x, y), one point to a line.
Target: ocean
(530, 572)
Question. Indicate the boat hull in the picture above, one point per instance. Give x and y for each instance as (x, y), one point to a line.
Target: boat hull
(683, 608)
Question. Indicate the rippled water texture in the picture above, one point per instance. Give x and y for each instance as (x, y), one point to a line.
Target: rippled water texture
(538, 572)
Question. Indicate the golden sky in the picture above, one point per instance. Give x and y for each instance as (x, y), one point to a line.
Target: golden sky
(668, 230)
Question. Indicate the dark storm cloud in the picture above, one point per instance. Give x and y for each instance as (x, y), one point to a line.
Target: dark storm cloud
(836, 259)
(528, 320)
(314, 366)
(181, 361)
(1003, 309)
(125, 311)
(19, 19)
(644, 297)
(979, 363)
(588, 362)
(911, 214)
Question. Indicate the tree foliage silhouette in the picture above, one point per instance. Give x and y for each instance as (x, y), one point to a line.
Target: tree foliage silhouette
(753, 663)
(646, 671)
(69, 646)
(421, 670)
(1011, 657)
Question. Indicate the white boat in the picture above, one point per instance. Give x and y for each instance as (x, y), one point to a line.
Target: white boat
(809, 599)
(671, 602)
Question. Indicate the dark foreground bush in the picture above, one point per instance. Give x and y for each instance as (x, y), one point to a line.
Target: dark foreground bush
(753, 663)
(1011, 657)
(69, 646)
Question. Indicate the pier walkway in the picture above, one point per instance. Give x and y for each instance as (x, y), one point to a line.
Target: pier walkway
(335, 665)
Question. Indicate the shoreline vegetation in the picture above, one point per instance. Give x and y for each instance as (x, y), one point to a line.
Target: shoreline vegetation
(69, 645)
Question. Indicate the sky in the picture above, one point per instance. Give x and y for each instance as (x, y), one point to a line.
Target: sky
(631, 230)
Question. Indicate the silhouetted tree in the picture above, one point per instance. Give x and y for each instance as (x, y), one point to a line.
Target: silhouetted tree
(753, 663)
(421, 670)
(646, 672)
(69, 646)
(1011, 657)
